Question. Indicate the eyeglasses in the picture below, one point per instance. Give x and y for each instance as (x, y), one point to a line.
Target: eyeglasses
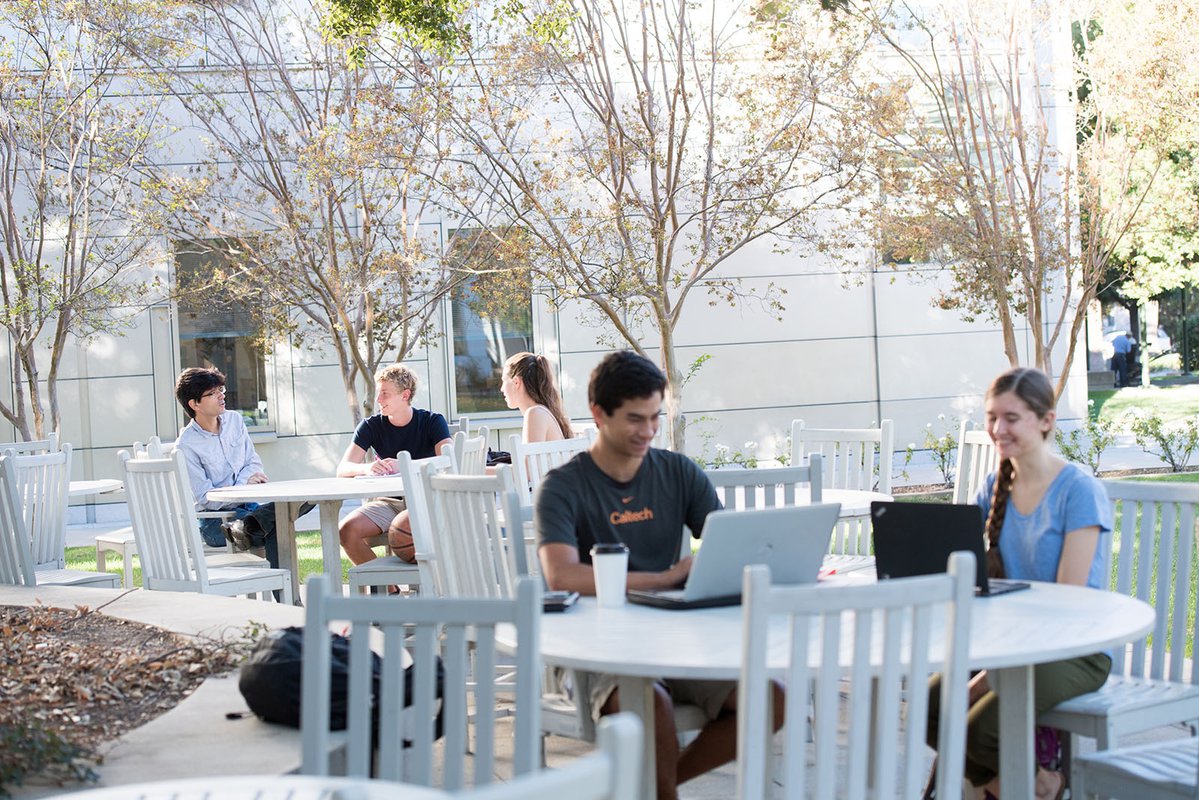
(213, 392)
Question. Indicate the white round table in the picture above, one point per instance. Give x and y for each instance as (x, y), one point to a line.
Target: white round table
(254, 787)
(329, 494)
(1009, 634)
(98, 486)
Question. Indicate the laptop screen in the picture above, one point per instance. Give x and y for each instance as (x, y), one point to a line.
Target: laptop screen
(917, 538)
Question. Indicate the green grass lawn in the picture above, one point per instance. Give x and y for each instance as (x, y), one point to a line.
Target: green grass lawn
(308, 547)
(1172, 402)
(1172, 477)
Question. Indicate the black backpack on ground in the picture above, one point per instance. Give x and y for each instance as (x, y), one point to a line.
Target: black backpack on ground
(271, 684)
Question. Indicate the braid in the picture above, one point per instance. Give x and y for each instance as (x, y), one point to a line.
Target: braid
(999, 498)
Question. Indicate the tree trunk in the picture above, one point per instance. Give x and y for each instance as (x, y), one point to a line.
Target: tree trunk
(674, 390)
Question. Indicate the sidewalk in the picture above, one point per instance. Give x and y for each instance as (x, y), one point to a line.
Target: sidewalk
(1124, 454)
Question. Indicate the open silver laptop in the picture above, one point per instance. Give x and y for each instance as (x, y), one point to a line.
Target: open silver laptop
(791, 541)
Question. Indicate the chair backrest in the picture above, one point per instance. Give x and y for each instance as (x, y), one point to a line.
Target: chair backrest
(977, 458)
(16, 557)
(32, 447)
(1154, 546)
(532, 460)
(479, 559)
(471, 451)
(427, 627)
(153, 448)
(164, 521)
(768, 487)
(42, 484)
(854, 458)
(416, 473)
(884, 637)
(611, 773)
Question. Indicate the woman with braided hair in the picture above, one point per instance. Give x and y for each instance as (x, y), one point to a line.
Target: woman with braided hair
(529, 386)
(1045, 519)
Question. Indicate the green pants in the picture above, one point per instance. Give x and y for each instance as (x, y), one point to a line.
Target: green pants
(1053, 683)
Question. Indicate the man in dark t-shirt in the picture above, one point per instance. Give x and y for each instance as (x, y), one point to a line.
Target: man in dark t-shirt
(622, 490)
(398, 426)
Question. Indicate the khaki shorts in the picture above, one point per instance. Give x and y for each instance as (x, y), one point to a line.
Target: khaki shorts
(382, 510)
(708, 696)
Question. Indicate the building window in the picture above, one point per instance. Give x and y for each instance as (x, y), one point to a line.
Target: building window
(491, 318)
(217, 330)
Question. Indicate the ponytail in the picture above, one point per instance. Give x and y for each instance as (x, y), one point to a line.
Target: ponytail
(537, 376)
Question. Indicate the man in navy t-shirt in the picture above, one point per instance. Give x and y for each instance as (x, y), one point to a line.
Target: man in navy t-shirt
(398, 426)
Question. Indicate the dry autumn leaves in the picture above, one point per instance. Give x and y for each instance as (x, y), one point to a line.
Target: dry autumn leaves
(72, 680)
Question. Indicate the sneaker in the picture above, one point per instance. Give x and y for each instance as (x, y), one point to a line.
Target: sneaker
(235, 532)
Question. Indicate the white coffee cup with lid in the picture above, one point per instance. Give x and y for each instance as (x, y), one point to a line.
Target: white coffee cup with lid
(610, 561)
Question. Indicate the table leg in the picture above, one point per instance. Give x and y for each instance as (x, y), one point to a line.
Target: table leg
(637, 696)
(331, 543)
(1017, 767)
(285, 536)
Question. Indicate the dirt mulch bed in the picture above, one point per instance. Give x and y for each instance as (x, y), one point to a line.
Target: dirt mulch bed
(72, 680)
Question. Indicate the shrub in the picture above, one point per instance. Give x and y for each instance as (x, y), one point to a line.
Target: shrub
(1173, 442)
(1085, 445)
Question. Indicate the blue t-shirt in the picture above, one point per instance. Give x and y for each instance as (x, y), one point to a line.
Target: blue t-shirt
(1031, 544)
(419, 437)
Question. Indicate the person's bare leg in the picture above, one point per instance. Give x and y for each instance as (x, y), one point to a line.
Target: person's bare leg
(716, 744)
(354, 530)
(399, 537)
(666, 739)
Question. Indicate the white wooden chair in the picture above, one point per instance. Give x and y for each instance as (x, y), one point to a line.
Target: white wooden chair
(478, 558)
(41, 482)
(612, 773)
(1154, 771)
(391, 569)
(16, 555)
(32, 447)
(1154, 544)
(977, 458)
(167, 532)
(881, 635)
(780, 486)
(121, 541)
(427, 627)
(471, 451)
(853, 458)
(533, 460)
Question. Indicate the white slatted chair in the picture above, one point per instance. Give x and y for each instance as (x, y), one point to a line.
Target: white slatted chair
(478, 558)
(1154, 544)
(612, 773)
(977, 458)
(41, 483)
(391, 569)
(428, 627)
(167, 532)
(534, 459)
(1154, 771)
(16, 555)
(853, 458)
(768, 487)
(32, 447)
(471, 452)
(122, 543)
(881, 635)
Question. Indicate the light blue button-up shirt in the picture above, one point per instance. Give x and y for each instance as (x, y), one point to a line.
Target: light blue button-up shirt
(216, 460)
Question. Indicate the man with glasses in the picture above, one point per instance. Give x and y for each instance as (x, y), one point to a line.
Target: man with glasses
(219, 453)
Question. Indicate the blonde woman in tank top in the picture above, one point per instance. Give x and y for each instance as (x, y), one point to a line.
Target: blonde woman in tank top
(529, 386)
